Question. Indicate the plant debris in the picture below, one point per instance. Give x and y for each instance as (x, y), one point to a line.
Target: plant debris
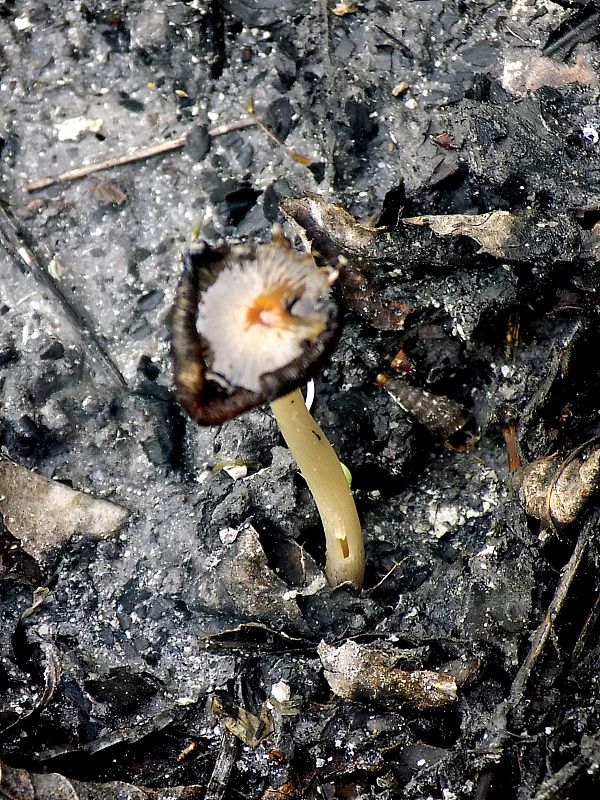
(447, 168)
(370, 675)
(250, 729)
(44, 515)
(437, 413)
(556, 491)
(18, 784)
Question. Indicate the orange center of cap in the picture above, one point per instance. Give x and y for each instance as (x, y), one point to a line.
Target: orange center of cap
(268, 309)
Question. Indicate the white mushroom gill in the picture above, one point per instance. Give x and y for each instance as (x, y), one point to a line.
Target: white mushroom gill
(259, 312)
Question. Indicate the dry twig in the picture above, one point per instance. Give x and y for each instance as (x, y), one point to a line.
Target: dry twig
(137, 155)
(546, 627)
(14, 240)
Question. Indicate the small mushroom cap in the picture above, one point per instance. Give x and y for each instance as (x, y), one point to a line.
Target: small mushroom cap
(249, 325)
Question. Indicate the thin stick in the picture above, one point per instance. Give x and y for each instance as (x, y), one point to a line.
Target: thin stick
(137, 155)
(83, 172)
(546, 627)
(298, 157)
(229, 127)
(31, 261)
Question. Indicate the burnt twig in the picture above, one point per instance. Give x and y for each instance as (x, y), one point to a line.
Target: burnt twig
(567, 777)
(14, 240)
(219, 779)
(570, 35)
(513, 705)
(588, 627)
(546, 627)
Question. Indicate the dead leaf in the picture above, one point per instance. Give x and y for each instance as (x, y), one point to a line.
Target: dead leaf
(519, 237)
(19, 784)
(45, 514)
(244, 585)
(106, 191)
(491, 231)
(368, 674)
(248, 728)
(556, 491)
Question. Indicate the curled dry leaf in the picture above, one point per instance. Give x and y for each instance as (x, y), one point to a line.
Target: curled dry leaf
(331, 228)
(517, 237)
(19, 784)
(106, 191)
(370, 675)
(45, 514)
(50, 661)
(556, 492)
(244, 585)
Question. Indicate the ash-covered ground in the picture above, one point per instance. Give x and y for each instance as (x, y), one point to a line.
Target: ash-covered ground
(178, 648)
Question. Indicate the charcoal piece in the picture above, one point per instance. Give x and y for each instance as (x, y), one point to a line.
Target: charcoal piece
(278, 118)
(318, 170)
(21, 783)
(272, 195)
(8, 351)
(122, 688)
(234, 199)
(117, 35)
(198, 142)
(150, 300)
(268, 13)
(355, 132)
(148, 368)
(52, 352)
(130, 103)
(28, 432)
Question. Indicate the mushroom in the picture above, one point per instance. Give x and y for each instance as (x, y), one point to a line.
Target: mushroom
(251, 325)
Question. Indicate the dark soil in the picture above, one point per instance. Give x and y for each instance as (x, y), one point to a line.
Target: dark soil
(134, 664)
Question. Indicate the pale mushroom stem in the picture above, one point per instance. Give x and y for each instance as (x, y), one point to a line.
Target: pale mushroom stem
(323, 473)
